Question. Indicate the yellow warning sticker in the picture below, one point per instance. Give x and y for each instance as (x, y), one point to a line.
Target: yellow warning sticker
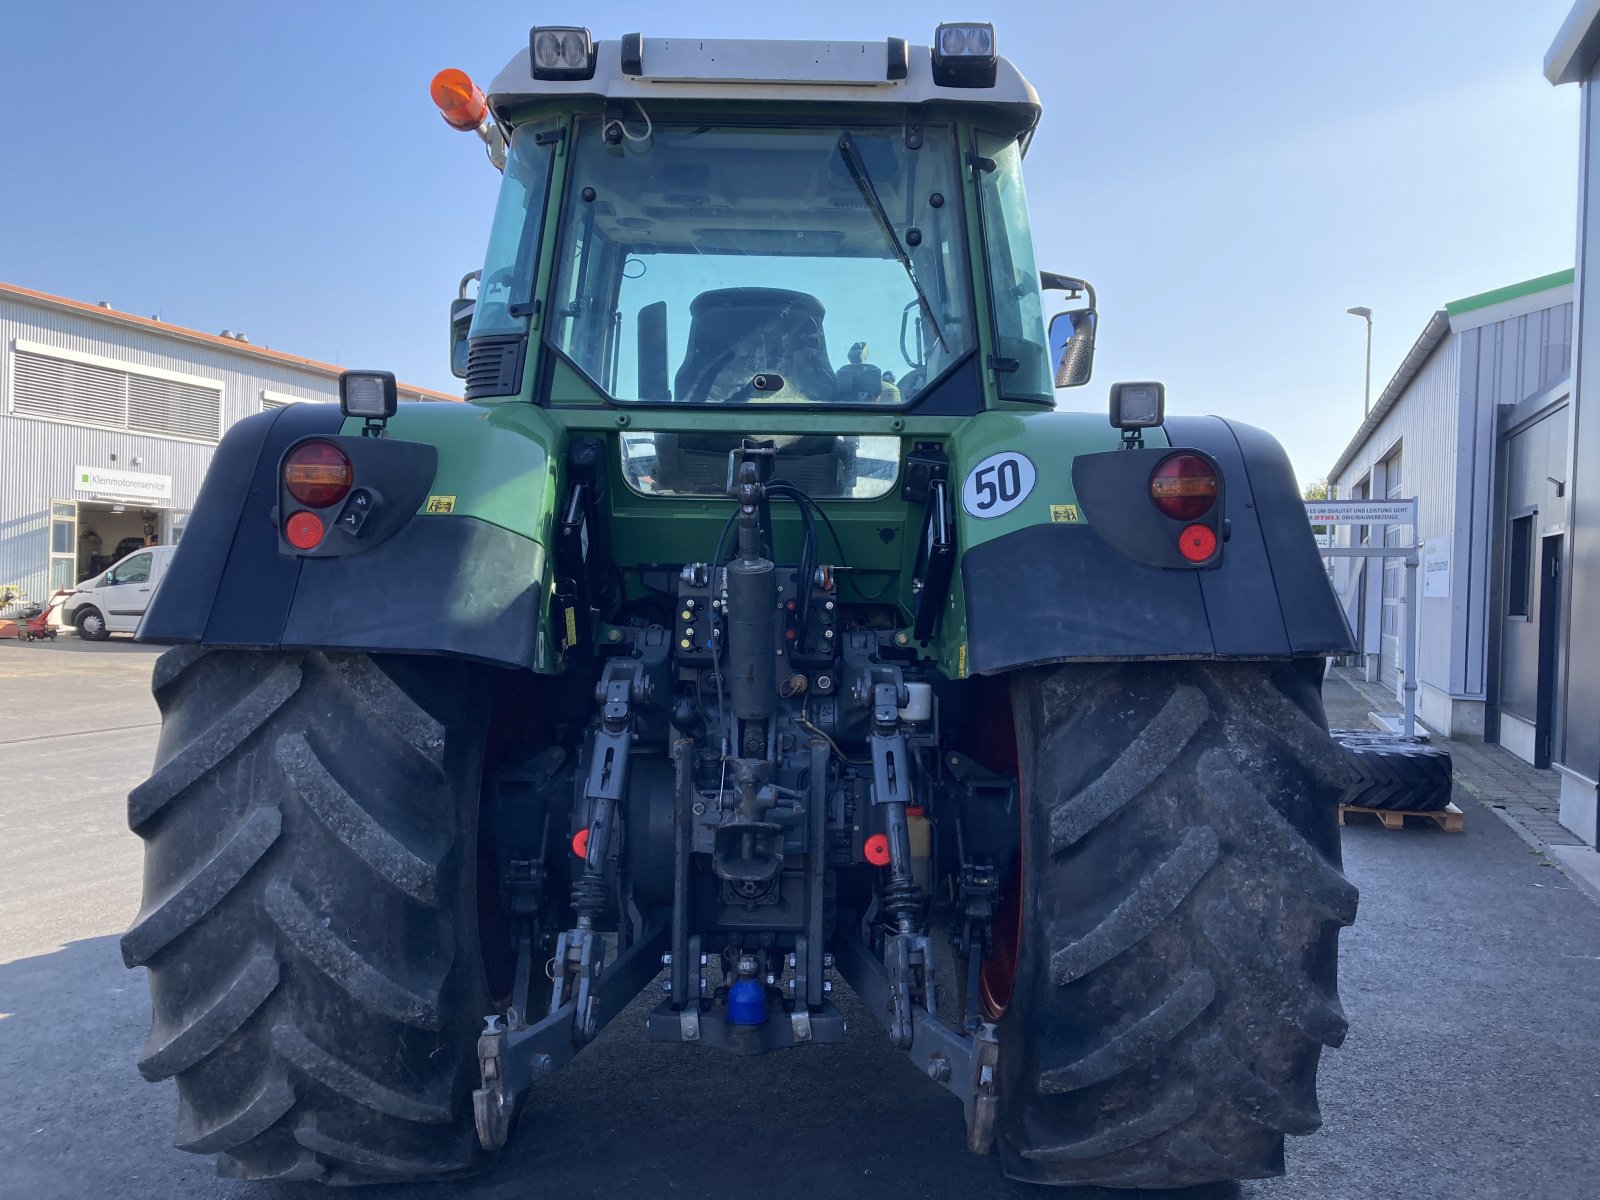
(572, 626)
(1064, 513)
(961, 663)
(440, 504)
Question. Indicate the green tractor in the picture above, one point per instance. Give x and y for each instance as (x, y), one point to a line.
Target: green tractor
(758, 625)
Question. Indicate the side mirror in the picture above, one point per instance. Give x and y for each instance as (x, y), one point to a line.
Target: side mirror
(1072, 346)
(461, 311)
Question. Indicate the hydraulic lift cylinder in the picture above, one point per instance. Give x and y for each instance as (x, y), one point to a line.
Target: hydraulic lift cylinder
(752, 638)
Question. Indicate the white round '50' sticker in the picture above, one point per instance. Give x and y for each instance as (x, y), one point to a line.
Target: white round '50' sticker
(998, 484)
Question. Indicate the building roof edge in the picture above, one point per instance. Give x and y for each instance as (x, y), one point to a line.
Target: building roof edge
(1512, 291)
(1575, 45)
(194, 335)
(1437, 328)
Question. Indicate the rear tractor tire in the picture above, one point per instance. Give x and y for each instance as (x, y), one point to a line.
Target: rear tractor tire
(1396, 773)
(1181, 900)
(308, 920)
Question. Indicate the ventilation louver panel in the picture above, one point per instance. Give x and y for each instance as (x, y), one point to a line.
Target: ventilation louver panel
(63, 389)
(494, 367)
(68, 391)
(167, 406)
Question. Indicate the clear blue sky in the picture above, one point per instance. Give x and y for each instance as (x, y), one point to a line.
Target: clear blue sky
(1231, 175)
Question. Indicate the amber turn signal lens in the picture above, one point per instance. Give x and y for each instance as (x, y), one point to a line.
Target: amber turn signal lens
(1184, 486)
(460, 102)
(304, 530)
(317, 474)
(1197, 543)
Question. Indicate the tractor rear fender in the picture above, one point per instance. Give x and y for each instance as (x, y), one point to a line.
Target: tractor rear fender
(1057, 579)
(459, 570)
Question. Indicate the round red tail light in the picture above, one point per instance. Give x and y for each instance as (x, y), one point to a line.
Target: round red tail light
(1197, 543)
(304, 530)
(317, 474)
(1184, 486)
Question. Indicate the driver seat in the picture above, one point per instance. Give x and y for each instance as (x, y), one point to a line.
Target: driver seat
(738, 333)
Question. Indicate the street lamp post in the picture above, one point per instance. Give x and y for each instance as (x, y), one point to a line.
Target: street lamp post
(1366, 396)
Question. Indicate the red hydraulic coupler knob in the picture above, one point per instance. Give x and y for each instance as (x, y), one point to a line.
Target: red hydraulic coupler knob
(877, 850)
(580, 843)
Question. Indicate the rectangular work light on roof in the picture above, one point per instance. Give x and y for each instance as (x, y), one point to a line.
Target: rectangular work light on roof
(964, 55)
(561, 52)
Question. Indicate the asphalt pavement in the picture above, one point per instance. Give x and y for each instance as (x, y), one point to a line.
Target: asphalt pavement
(1471, 980)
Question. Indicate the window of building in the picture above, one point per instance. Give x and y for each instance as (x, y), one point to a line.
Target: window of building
(1519, 567)
(84, 389)
(63, 544)
(1393, 535)
(271, 400)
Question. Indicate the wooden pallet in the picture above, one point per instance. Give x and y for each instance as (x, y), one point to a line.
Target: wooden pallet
(1449, 818)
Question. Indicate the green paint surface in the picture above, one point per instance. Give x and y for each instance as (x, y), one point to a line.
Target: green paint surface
(1514, 291)
(501, 459)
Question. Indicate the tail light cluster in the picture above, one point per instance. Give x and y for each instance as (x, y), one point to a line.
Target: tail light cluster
(1184, 487)
(319, 483)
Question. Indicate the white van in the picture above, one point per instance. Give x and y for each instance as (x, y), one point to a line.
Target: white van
(114, 600)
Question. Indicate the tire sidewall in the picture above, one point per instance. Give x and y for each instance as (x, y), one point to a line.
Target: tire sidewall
(91, 624)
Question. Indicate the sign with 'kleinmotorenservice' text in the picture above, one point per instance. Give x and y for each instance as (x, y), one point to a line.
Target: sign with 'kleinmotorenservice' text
(135, 485)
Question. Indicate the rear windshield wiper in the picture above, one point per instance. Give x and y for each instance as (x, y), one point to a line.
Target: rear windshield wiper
(851, 154)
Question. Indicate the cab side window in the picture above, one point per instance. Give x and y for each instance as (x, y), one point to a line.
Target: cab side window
(1013, 274)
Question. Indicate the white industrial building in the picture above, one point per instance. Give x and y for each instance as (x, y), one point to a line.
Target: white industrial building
(107, 425)
(1574, 57)
(1473, 425)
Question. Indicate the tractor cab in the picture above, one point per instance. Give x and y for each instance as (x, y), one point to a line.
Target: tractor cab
(740, 224)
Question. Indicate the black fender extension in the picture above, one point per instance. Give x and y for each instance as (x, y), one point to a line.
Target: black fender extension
(1062, 593)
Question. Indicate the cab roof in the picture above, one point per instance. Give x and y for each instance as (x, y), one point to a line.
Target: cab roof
(748, 70)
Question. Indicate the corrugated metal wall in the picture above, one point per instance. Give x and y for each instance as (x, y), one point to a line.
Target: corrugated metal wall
(1446, 425)
(1502, 364)
(37, 457)
(1578, 747)
(1531, 459)
(1423, 425)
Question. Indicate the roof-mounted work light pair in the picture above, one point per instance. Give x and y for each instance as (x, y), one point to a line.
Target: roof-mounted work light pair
(561, 52)
(963, 57)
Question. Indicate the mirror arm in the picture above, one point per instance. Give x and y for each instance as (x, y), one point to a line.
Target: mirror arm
(1052, 281)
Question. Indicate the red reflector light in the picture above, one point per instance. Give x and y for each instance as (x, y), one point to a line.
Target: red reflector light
(1184, 486)
(460, 101)
(304, 530)
(580, 843)
(317, 474)
(877, 850)
(1197, 543)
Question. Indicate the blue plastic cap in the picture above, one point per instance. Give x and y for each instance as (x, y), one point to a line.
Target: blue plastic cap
(747, 1003)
